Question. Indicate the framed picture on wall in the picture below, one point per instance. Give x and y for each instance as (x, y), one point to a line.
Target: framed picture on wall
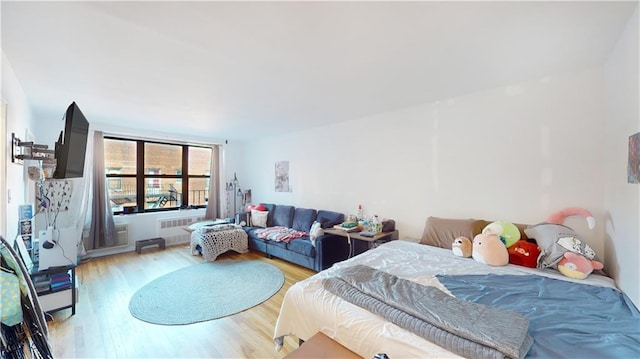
(282, 176)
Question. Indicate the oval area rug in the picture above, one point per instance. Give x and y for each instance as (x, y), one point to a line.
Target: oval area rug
(206, 291)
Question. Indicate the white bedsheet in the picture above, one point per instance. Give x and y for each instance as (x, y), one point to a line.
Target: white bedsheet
(307, 308)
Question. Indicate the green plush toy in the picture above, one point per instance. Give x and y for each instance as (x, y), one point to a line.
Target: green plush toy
(508, 232)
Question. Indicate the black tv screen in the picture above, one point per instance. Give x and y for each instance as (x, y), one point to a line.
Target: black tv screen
(72, 144)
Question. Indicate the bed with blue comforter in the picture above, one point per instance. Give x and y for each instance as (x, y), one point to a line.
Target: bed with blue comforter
(566, 318)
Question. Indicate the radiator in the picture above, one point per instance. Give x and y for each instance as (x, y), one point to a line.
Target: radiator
(173, 229)
(122, 234)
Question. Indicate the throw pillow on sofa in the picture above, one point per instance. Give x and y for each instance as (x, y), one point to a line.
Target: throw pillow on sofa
(259, 218)
(315, 232)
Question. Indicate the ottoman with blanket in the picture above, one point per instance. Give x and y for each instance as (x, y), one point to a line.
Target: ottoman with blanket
(213, 239)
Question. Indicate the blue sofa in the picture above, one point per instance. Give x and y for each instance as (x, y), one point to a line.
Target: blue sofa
(328, 249)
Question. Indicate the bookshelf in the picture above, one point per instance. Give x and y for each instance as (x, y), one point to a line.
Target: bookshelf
(56, 288)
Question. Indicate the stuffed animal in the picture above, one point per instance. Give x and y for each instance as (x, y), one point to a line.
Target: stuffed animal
(508, 232)
(462, 247)
(524, 253)
(576, 266)
(560, 216)
(489, 249)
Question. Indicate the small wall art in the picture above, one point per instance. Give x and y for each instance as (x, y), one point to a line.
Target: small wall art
(633, 168)
(282, 176)
(59, 194)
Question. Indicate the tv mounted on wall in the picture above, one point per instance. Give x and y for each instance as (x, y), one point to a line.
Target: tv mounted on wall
(72, 144)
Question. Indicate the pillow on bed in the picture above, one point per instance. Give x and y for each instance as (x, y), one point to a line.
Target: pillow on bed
(440, 232)
(259, 218)
(556, 239)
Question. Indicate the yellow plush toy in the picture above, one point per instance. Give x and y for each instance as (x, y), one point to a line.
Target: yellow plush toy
(462, 247)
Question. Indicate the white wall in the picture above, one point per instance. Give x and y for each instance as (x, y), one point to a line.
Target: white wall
(622, 199)
(517, 153)
(18, 121)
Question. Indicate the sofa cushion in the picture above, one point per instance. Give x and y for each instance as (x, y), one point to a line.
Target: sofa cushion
(271, 208)
(329, 219)
(283, 216)
(303, 219)
(259, 218)
(302, 246)
(282, 245)
(440, 232)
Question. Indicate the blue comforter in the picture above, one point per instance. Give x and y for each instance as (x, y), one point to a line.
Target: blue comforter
(567, 320)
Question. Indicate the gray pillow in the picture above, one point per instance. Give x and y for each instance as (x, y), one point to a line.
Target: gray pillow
(554, 240)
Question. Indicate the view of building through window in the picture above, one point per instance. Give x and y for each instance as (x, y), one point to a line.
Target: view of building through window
(149, 175)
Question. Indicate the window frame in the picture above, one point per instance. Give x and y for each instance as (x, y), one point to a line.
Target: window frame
(143, 179)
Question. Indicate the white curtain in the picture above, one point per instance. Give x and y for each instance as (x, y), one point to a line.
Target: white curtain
(213, 203)
(102, 232)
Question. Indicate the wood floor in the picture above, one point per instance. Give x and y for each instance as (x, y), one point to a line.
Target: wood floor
(104, 328)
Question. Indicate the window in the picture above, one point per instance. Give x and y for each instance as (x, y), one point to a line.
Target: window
(156, 176)
(114, 184)
(153, 182)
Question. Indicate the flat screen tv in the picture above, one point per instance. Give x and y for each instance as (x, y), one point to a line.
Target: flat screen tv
(72, 144)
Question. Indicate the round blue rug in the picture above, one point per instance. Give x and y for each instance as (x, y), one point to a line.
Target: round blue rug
(206, 291)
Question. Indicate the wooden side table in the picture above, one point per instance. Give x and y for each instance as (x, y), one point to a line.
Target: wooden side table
(321, 346)
(360, 243)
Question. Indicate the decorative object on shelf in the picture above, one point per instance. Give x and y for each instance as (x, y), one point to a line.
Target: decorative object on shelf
(25, 212)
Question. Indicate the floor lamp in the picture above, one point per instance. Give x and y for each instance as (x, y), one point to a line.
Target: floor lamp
(236, 192)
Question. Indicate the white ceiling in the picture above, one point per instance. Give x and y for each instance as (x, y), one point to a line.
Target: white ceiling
(237, 70)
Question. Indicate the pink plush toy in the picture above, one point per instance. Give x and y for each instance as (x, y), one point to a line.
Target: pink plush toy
(576, 266)
(489, 249)
(560, 216)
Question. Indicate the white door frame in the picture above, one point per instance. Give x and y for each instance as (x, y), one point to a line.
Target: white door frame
(3, 168)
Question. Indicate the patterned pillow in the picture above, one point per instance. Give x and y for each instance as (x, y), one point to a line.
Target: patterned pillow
(259, 218)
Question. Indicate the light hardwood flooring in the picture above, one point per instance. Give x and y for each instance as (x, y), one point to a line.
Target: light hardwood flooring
(103, 327)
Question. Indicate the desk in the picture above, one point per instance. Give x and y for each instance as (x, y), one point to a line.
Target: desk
(367, 242)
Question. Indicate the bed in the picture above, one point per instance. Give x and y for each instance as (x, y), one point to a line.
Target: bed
(567, 317)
